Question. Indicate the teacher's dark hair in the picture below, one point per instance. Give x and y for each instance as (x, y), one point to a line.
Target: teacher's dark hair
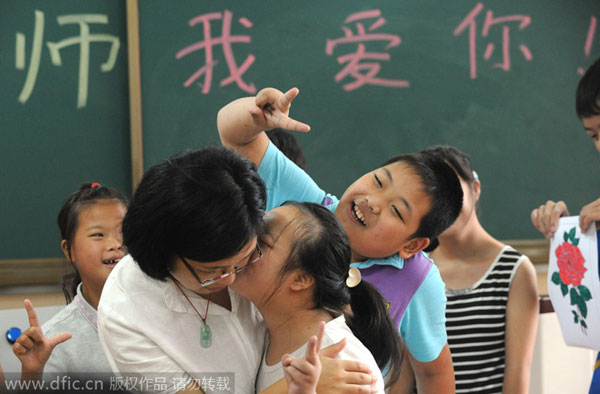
(204, 204)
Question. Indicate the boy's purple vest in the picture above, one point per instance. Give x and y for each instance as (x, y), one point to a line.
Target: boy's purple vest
(398, 286)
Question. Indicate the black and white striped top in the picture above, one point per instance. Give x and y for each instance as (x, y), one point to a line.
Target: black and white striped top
(476, 325)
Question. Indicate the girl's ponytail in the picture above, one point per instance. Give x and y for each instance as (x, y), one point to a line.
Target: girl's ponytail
(372, 324)
(69, 283)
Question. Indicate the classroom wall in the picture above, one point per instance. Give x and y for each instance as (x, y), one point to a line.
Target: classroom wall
(557, 368)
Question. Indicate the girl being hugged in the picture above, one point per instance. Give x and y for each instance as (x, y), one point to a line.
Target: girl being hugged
(492, 308)
(305, 278)
(90, 227)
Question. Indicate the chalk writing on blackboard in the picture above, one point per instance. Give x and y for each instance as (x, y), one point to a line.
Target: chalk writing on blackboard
(207, 44)
(83, 40)
(470, 23)
(587, 49)
(356, 67)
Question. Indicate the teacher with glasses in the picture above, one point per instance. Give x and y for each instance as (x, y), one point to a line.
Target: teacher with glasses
(167, 317)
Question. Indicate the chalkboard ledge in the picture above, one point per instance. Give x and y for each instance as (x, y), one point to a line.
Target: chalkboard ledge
(48, 271)
(43, 271)
(536, 249)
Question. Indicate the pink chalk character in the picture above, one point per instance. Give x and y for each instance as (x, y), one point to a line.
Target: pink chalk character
(364, 72)
(84, 40)
(589, 40)
(208, 43)
(489, 22)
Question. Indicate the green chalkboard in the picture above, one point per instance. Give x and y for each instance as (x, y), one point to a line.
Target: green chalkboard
(501, 90)
(63, 113)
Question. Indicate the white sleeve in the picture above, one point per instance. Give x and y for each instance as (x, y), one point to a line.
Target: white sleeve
(131, 353)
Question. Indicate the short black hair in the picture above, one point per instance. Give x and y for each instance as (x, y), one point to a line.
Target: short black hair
(204, 204)
(457, 159)
(441, 184)
(461, 163)
(289, 145)
(68, 219)
(587, 97)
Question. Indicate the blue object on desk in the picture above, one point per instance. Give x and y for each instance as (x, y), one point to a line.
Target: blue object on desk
(12, 334)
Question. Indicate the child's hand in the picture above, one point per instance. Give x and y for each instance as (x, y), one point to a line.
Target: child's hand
(302, 374)
(32, 348)
(589, 214)
(272, 109)
(545, 218)
(344, 376)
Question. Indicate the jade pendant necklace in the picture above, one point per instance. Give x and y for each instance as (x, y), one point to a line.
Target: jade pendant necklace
(205, 332)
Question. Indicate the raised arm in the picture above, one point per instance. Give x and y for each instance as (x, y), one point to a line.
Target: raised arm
(522, 311)
(242, 122)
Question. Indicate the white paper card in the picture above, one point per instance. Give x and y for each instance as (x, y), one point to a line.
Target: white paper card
(573, 283)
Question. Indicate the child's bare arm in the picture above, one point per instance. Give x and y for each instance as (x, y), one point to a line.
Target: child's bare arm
(434, 377)
(241, 123)
(522, 311)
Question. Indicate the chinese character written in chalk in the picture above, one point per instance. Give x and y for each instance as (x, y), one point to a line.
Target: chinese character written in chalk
(587, 49)
(208, 43)
(84, 40)
(469, 22)
(362, 65)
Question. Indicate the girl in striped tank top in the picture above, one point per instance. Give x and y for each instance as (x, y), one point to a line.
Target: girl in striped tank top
(492, 309)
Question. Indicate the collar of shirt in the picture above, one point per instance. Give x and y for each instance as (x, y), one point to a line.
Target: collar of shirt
(85, 308)
(394, 261)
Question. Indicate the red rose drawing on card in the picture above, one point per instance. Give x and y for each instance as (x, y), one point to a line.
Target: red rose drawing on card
(570, 264)
(571, 270)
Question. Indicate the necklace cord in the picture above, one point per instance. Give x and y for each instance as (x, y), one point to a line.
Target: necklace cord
(190, 302)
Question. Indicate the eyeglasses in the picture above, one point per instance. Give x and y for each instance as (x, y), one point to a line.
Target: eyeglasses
(256, 255)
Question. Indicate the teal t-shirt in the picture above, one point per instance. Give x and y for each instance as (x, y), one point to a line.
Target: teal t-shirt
(423, 325)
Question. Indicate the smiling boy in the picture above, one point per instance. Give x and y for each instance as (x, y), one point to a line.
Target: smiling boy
(390, 214)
